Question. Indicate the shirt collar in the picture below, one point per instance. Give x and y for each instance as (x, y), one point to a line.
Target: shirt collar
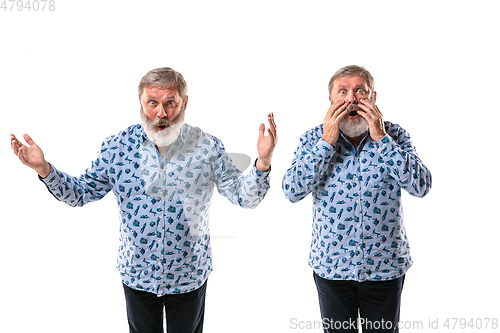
(347, 143)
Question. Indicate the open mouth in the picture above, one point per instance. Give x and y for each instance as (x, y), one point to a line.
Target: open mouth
(353, 113)
(161, 127)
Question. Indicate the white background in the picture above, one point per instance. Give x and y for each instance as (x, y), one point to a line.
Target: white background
(69, 78)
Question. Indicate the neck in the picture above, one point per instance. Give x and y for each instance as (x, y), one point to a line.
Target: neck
(163, 150)
(355, 141)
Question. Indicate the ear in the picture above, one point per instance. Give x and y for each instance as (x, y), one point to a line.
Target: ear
(374, 97)
(330, 99)
(186, 102)
(140, 98)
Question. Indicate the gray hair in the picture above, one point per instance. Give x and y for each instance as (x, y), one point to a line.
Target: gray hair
(352, 70)
(164, 77)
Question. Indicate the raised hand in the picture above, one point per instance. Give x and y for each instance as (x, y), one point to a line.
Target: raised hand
(31, 156)
(266, 144)
(374, 118)
(334, 116)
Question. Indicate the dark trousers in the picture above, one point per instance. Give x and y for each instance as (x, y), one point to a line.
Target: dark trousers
(184, 312)
(378, 303)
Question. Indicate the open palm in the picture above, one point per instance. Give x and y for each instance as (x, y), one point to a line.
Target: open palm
(31, 155)
(266, 144)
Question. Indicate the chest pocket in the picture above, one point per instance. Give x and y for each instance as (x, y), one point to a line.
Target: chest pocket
(374, 171)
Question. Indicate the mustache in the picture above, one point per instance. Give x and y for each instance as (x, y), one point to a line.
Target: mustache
(353, 107)
(161, 122)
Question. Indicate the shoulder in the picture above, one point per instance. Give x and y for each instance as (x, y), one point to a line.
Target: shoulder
(312, 136)
(132, 135)
(195, 140)
(192, 133)
(396, 131)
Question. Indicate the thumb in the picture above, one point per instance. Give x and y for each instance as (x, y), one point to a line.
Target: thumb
(262, 127)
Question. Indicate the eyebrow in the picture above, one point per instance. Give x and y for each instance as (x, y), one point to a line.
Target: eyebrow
(356, 87)
(149, 97)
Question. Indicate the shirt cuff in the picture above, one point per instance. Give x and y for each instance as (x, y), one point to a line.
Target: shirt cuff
(323, 148)
(51, 173)
(261, 173)
(385, 145)
(50, 180)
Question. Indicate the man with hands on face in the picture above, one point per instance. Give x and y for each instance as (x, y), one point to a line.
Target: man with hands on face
(355, 165)
(163, 173)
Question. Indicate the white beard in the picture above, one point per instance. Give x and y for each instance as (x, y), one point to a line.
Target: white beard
(353, 128)
(164, 137)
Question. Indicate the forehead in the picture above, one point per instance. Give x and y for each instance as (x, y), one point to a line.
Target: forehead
(350, 81)
(160, 92)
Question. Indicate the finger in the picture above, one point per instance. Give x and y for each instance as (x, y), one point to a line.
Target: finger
(262, 127)
(271, 120)
(272, 125)
(13, 138)
(335, 107)
(29, 140)
(365, 115)
(369, 106)
(367, 101)
(275, 135)
(15, 144)
(20, 155)
(369, 115)
(272, 134)
(340, 114)
(366, 112)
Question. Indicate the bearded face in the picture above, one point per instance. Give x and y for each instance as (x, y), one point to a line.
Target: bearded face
(352, 89)
(162, 114)
(353, 125)
(162, 131)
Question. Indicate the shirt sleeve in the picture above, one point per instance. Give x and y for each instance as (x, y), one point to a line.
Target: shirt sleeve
(310, 162)
(244, 190)
(92, 185)
(403, 163)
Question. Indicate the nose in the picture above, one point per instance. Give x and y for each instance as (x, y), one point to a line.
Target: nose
(161, 112)
(351, 98)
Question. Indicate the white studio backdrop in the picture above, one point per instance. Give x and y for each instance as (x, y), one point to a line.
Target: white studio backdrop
(69, 76)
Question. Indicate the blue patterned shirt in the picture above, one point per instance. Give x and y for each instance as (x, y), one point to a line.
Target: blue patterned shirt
(358, 231)
(164, 203)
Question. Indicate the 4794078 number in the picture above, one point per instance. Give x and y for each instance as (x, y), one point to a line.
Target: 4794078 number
(28, 5)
